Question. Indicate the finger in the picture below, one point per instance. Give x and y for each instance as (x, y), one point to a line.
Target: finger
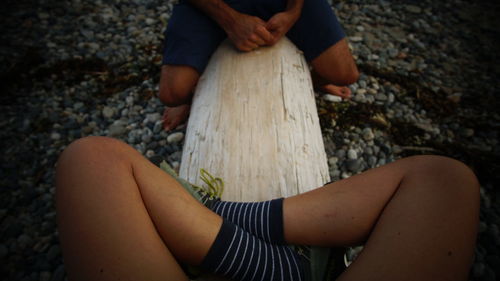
(263, 33)
(251, 45)
(257, 40)
(243, 47)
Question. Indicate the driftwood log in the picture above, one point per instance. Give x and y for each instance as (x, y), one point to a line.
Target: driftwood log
(254, 123)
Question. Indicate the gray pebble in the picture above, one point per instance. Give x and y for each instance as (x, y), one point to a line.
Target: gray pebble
(108, 112)
(150, 153)
(158, 127)
(116, 130)
(354, 165)
(55, 136)
(413, 9)
(372, 161)
(332, 161)
(360, 98)
(360, 91)
(352, 154)
(332, 98)
(340, 154)
(381, 97)
(368, 134)
(78, 105)
(175, 137)
(153, 117)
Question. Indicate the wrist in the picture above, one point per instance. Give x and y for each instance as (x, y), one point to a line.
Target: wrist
(294, 8)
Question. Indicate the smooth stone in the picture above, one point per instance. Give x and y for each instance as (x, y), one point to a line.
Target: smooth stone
(55, 136)
(116, 130)
(153, 117)
(332, 98)
(175, 164)
(361, 91)
(345, 175)
(150, 153)
(370, 98)
(108, 112)
(413, 9)
(175, 137)
(391, 98)
(332, 161)
(368, 150)
(368, 134)
(354, 165)
(340, 154)
(360, 98)
(381, 97)
(355, 39)
(146, 138)
(396, 149)
(78, 105)
(335, 174)
(158, 127)
(352, 154)
(372, 161)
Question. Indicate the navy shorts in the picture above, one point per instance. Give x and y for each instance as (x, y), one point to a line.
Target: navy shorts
(192, 37)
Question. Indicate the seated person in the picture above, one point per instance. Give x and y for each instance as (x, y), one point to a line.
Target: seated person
(197, 27)
(120, 217)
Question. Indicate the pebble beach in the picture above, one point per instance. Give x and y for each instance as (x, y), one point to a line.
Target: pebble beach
(429, 84)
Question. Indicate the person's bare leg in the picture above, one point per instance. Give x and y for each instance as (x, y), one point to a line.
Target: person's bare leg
(418, 217)
(334, 69)
(177, 83)
(122, 218)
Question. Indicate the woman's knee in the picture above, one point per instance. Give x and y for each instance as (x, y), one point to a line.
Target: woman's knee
(94, 149)
(447, 171)
(177, 84)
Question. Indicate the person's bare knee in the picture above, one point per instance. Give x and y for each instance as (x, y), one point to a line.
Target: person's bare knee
(336, 65)
(177, 84)
(451, 174)
(99, 151)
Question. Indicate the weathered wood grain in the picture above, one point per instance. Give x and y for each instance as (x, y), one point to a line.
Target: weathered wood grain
(254, 123)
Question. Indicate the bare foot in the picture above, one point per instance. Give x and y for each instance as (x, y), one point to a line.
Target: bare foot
(341, 91)
(175, 116)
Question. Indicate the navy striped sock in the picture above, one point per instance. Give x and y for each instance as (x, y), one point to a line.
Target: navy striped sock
(262, 219)
(239, 255)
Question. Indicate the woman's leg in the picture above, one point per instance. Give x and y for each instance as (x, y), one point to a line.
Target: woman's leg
(418, 217)
(122, 218)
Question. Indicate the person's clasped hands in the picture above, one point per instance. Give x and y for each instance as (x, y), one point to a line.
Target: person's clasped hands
(250, 32)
